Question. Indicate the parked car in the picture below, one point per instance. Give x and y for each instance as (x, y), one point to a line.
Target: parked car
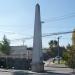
(58, 58)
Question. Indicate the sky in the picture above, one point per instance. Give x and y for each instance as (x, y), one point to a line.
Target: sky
(17, 20)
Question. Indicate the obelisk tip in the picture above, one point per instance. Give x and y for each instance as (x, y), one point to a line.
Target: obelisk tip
(37, 1)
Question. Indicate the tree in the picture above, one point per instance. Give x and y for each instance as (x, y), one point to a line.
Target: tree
(73, 37)
(53, 43)
(71, 58)
(5, 46)
(65, 56)
(66, 52)
(68, 47)
(70, 54)
(53, 46)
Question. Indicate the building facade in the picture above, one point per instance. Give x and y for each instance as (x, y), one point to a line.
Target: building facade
(21, 52)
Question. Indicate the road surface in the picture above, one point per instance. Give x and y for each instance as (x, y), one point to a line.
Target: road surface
(51, 70)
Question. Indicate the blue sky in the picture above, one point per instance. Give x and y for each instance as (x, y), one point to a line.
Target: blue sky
(17, 19)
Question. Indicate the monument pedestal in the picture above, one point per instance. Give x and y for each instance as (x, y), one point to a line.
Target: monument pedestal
(38, 67)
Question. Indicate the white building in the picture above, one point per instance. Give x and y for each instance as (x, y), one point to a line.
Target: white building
(21, 52)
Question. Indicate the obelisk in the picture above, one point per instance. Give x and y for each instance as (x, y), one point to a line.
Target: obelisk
(37, 59)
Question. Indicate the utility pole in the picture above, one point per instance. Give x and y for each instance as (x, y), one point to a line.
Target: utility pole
(23, 41)
(58, 50)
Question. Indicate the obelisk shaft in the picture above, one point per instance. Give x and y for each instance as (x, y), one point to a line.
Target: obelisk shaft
(37, 61)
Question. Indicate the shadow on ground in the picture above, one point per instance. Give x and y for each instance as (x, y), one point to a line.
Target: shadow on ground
(57, 67)
(20, 73)
(52, 73)
(44, 73)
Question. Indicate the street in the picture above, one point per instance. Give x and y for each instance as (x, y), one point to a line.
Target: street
(51, 70)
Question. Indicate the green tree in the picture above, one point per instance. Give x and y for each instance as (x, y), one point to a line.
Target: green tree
(66, 52)
(73, 37)
(53, 43)
(65, 55)
(68, 47)
(71, 58)
(5, 46)
(53, 46)
(70, 54)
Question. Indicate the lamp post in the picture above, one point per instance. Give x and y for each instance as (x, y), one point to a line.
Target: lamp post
(23, 41)
(58, 50)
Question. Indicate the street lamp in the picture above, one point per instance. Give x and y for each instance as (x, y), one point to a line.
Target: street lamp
(23, 41)
(58, 50)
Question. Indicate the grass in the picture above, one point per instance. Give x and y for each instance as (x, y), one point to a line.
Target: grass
(61, 62)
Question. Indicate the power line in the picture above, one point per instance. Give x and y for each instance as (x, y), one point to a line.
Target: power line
(60, 18)
(45, 35)
(71, 15)
(58, 33)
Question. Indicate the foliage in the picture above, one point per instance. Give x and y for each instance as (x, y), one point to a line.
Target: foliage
(53, 43)
(65, 55)
(53, 46)
(71, 59)
(66, 52)
(73, 37)
(5, 46)
(69, 56)
(68, 47)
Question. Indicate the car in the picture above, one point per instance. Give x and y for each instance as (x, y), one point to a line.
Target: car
(58, 57)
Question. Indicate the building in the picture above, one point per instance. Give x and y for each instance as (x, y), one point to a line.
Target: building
(21, 52)
(19, 58)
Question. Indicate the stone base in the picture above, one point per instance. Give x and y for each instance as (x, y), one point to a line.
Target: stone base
(38, 67)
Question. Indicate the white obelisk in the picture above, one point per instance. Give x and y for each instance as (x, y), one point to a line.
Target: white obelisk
(37, 61)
